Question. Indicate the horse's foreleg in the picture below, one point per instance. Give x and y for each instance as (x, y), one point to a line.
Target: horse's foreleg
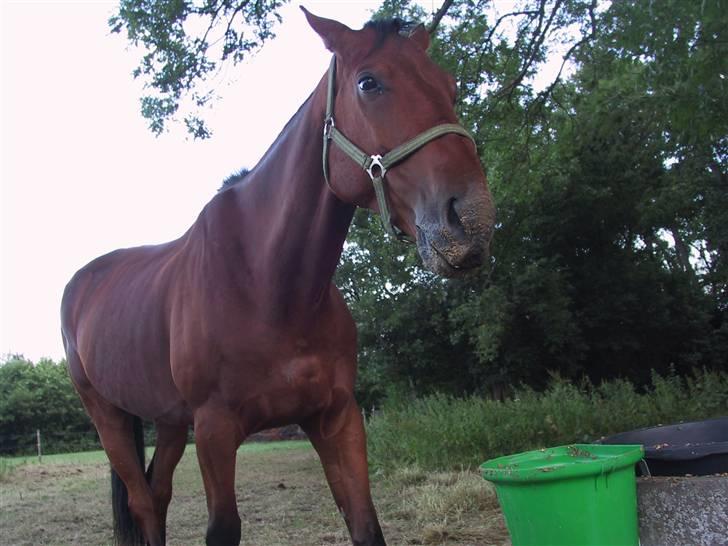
(171, 441)
(339, 438)
(218, 436)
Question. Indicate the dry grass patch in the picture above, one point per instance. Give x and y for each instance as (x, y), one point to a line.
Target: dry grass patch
(283, 500)
(449, 508)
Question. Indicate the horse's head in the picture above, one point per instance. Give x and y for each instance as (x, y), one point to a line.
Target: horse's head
(388, 92)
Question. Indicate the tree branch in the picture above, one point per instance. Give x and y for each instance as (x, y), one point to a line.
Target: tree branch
(439, 15)
(538, 36)
(503, 17)
(546, 93)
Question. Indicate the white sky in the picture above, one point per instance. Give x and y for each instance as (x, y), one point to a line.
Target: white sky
(81, 175)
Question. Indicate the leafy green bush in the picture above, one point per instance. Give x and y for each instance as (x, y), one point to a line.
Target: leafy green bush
(40, 396)
(444, 432)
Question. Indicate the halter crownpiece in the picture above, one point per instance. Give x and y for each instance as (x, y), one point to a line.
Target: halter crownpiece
(377, 166)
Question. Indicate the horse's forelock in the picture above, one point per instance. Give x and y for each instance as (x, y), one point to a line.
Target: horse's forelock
(389, 26)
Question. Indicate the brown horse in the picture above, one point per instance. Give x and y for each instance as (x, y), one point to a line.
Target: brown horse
(236, 326)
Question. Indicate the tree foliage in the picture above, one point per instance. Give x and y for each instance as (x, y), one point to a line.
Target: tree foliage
(186, 43)
(610, 184)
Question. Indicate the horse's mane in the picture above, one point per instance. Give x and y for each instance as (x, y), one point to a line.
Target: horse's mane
(234, 179)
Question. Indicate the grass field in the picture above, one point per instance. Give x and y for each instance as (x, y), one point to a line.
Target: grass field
(283, 500)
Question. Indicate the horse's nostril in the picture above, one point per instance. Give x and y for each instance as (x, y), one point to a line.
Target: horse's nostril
(453, 219)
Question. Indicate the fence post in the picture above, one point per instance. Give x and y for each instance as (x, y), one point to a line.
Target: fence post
(40, 452)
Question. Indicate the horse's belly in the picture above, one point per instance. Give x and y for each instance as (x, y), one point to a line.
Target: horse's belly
(138, 383)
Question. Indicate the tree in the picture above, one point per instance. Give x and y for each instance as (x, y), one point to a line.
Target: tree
(39, 396)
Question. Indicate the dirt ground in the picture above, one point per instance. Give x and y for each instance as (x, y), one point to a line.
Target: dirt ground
(282, 497)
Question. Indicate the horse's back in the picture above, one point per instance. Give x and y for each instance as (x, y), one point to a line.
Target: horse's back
(115, 324)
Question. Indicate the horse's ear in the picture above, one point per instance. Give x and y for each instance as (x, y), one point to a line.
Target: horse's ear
(333, 33)
(420, 36)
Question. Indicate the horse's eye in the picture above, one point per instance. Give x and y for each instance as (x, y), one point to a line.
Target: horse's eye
(367, 84)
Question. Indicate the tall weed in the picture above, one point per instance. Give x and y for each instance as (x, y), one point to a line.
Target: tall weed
(5, 469)
(444, 432)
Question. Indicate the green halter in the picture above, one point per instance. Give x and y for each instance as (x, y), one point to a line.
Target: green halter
(376, 166)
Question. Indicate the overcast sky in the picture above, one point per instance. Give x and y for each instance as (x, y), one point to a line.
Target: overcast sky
(80, 173)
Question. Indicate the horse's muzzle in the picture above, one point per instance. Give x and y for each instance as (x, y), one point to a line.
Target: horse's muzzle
(456, 241)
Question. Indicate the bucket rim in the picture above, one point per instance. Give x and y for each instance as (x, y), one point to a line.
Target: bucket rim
(561, 463)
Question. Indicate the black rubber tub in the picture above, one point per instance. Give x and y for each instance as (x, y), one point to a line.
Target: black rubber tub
(699, 448)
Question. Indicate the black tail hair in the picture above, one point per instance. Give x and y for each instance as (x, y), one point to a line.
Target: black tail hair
(126, 530)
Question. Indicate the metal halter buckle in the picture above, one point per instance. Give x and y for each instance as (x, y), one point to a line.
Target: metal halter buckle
(376, 162)
(328, 125)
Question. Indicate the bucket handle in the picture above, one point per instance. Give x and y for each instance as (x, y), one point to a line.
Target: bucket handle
(644, 468)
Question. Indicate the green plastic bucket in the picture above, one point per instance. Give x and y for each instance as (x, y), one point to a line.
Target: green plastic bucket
(575, 495)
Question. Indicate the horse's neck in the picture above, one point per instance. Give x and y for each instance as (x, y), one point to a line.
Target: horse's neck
(291, 226)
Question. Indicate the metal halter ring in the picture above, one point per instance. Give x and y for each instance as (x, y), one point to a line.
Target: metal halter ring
(376, 162)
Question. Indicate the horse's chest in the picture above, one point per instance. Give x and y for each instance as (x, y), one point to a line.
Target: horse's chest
(301, 372)
(269, 375)
(285, 391)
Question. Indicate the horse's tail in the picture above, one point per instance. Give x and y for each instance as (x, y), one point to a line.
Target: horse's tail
(126, 530)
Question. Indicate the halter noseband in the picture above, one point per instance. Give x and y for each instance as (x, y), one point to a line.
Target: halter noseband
(376, 166)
